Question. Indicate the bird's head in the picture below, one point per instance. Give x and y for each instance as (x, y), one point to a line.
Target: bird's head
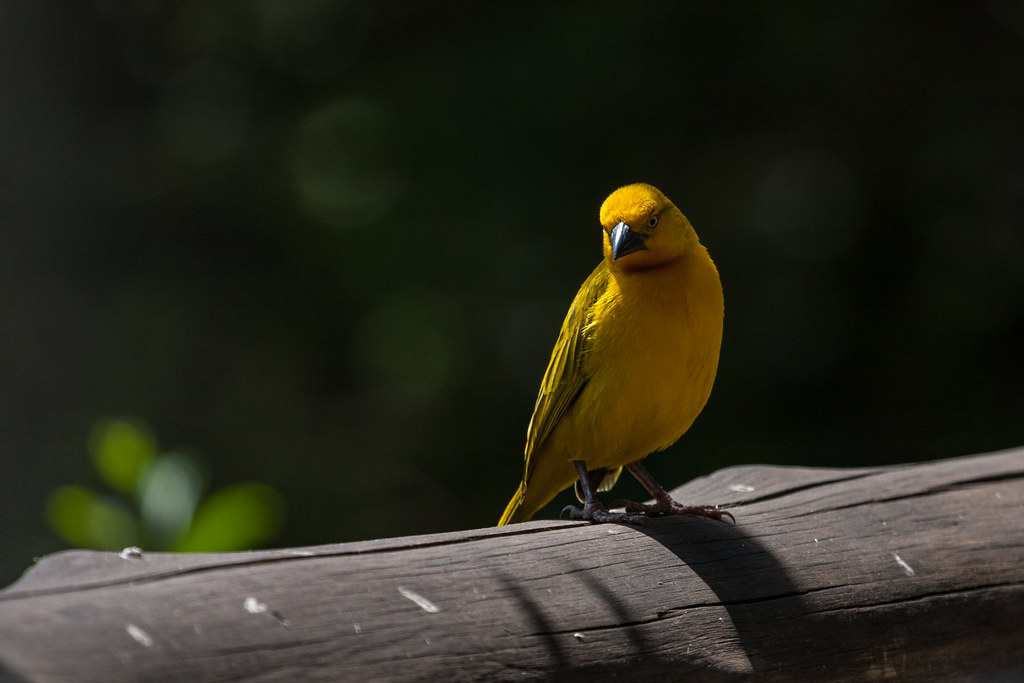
(643, 229)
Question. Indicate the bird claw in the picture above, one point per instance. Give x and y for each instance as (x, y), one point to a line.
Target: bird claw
(599, 515)
(670, 507)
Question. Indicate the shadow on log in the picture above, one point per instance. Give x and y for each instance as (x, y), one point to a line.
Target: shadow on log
(913, 572)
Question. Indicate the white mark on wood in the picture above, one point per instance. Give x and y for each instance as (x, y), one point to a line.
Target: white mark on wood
(254, 606)
(424, 604)
(139, 636)
(578, 636)
(356, 627)
(741, 488)
(903, 563)
(301, 553)
(132, 552)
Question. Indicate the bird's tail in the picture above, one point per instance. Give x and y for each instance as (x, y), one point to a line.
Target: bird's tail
(515, 511)
(547, 478)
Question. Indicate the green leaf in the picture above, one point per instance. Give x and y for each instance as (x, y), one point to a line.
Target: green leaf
(87, 520)
(67, 513)
(237, 517)
(122, 451)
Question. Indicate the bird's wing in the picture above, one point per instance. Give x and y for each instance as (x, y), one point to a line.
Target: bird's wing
(566, 376)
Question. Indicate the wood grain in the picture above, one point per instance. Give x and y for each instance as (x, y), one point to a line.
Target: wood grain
(913, 572)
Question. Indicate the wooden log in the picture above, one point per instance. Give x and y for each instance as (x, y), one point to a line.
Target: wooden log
(913, 572)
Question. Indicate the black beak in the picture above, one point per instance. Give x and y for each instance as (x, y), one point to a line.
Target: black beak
(625, 241)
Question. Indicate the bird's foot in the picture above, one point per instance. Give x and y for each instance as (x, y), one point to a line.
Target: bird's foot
(598, 514)
(667, 506)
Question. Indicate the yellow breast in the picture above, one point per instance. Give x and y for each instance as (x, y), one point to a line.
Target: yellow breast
(652, 362)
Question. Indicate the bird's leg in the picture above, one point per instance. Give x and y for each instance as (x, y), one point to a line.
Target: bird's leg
(663, 503)
(593, 510)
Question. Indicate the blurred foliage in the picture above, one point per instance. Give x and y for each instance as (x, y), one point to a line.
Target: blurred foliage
(157, 502)
(332, 242)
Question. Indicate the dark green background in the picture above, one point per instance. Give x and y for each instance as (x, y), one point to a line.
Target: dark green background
(329, 244)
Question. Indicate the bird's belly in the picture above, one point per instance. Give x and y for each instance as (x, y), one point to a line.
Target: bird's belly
(632, 408)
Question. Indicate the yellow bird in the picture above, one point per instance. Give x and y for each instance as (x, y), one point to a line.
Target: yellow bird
(633, 365)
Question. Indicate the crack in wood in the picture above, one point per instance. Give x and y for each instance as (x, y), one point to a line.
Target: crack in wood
(949, 487)
(790, 490)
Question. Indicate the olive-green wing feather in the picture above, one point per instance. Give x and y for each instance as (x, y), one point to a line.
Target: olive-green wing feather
(565, 376)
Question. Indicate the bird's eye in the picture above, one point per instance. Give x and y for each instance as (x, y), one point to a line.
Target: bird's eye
(652, 222)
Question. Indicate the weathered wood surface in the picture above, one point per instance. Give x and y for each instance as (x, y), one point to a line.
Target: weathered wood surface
(913, 572)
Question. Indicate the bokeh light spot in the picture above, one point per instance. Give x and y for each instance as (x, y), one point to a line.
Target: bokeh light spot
(406, 346)
(341, 163)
